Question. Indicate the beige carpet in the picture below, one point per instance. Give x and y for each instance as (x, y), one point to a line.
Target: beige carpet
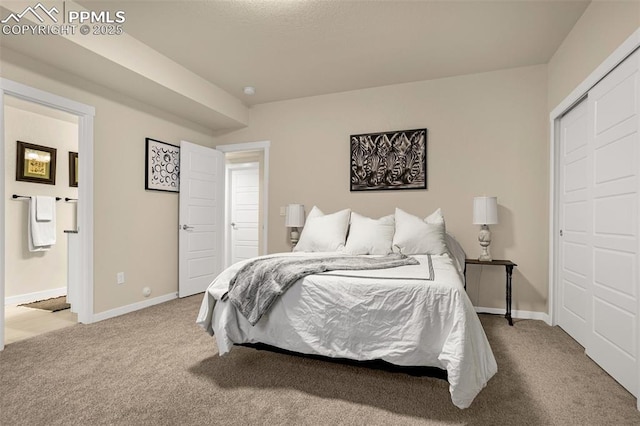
(156, 367)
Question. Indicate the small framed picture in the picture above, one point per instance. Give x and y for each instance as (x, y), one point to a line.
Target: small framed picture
(162, 165)
(73, 169)
(35, 163)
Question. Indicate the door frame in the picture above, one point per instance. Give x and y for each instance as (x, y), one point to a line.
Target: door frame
(229, 168)
(85, 114)
(264, 147)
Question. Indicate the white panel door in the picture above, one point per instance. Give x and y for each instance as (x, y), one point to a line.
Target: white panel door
(575, 224)
(244, 202)
(201, 233)
(613, 117)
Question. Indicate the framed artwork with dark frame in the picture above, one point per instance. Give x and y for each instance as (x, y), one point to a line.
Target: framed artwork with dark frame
(35, 163)
(162, 166)
(389, 160)
(73, 169)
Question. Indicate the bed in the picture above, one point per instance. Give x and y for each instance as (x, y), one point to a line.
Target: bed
(414, 315)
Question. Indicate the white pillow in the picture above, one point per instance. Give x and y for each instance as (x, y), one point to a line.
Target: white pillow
(416, 236)
(435, 217)
(324, 232)
(370, 236)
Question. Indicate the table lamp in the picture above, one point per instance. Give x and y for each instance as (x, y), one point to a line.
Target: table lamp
(294, 219)
(485, 213)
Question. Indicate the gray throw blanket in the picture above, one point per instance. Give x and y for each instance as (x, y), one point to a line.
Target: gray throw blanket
(260, 282)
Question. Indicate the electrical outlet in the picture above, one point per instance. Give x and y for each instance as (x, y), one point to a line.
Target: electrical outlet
(120, 277)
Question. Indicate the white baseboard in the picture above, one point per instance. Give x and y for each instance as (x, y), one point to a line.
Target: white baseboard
(542, 316)
(34, 297)
(133, 307)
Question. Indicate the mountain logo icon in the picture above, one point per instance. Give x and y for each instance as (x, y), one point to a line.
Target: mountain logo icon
(38, 10)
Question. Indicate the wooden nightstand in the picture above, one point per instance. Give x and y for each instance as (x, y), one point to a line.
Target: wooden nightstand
(509, 270)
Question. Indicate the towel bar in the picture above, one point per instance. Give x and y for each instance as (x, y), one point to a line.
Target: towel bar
(14, 196)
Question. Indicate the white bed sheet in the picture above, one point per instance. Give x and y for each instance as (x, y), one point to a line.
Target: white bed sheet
(404, 322)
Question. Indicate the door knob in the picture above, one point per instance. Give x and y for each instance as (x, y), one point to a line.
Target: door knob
(233, 225)
(187, 227)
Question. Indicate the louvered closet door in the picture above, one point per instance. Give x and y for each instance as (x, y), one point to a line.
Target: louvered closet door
(613, 118)
(575, 223)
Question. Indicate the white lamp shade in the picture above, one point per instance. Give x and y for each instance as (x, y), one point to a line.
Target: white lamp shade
(295, 216)
(485, 210)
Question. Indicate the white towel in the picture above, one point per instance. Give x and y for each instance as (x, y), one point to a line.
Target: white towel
(45, 206)
(41, 234)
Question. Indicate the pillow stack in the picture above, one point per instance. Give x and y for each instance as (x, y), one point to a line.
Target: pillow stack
(401, 232)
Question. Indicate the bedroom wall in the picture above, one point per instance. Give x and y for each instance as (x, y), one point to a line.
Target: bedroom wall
(135, 231)
(600, 30)
(31, 272)
(487, 135)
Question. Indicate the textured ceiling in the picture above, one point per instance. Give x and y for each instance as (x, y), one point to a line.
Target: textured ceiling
(291, 49)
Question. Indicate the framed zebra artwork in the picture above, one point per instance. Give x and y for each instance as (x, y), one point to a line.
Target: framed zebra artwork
(389, 160)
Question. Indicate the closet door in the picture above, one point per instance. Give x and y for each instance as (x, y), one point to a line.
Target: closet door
(613, 135)
(575, 224)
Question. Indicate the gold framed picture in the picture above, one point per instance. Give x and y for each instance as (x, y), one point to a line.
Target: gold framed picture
(73, 169)
(36, 163)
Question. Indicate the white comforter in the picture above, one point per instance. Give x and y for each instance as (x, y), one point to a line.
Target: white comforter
(402, 321)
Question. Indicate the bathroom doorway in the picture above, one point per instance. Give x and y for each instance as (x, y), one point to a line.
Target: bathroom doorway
(35, 274)
(83, 269)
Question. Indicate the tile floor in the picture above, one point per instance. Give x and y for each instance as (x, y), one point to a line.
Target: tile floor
(22, 323)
